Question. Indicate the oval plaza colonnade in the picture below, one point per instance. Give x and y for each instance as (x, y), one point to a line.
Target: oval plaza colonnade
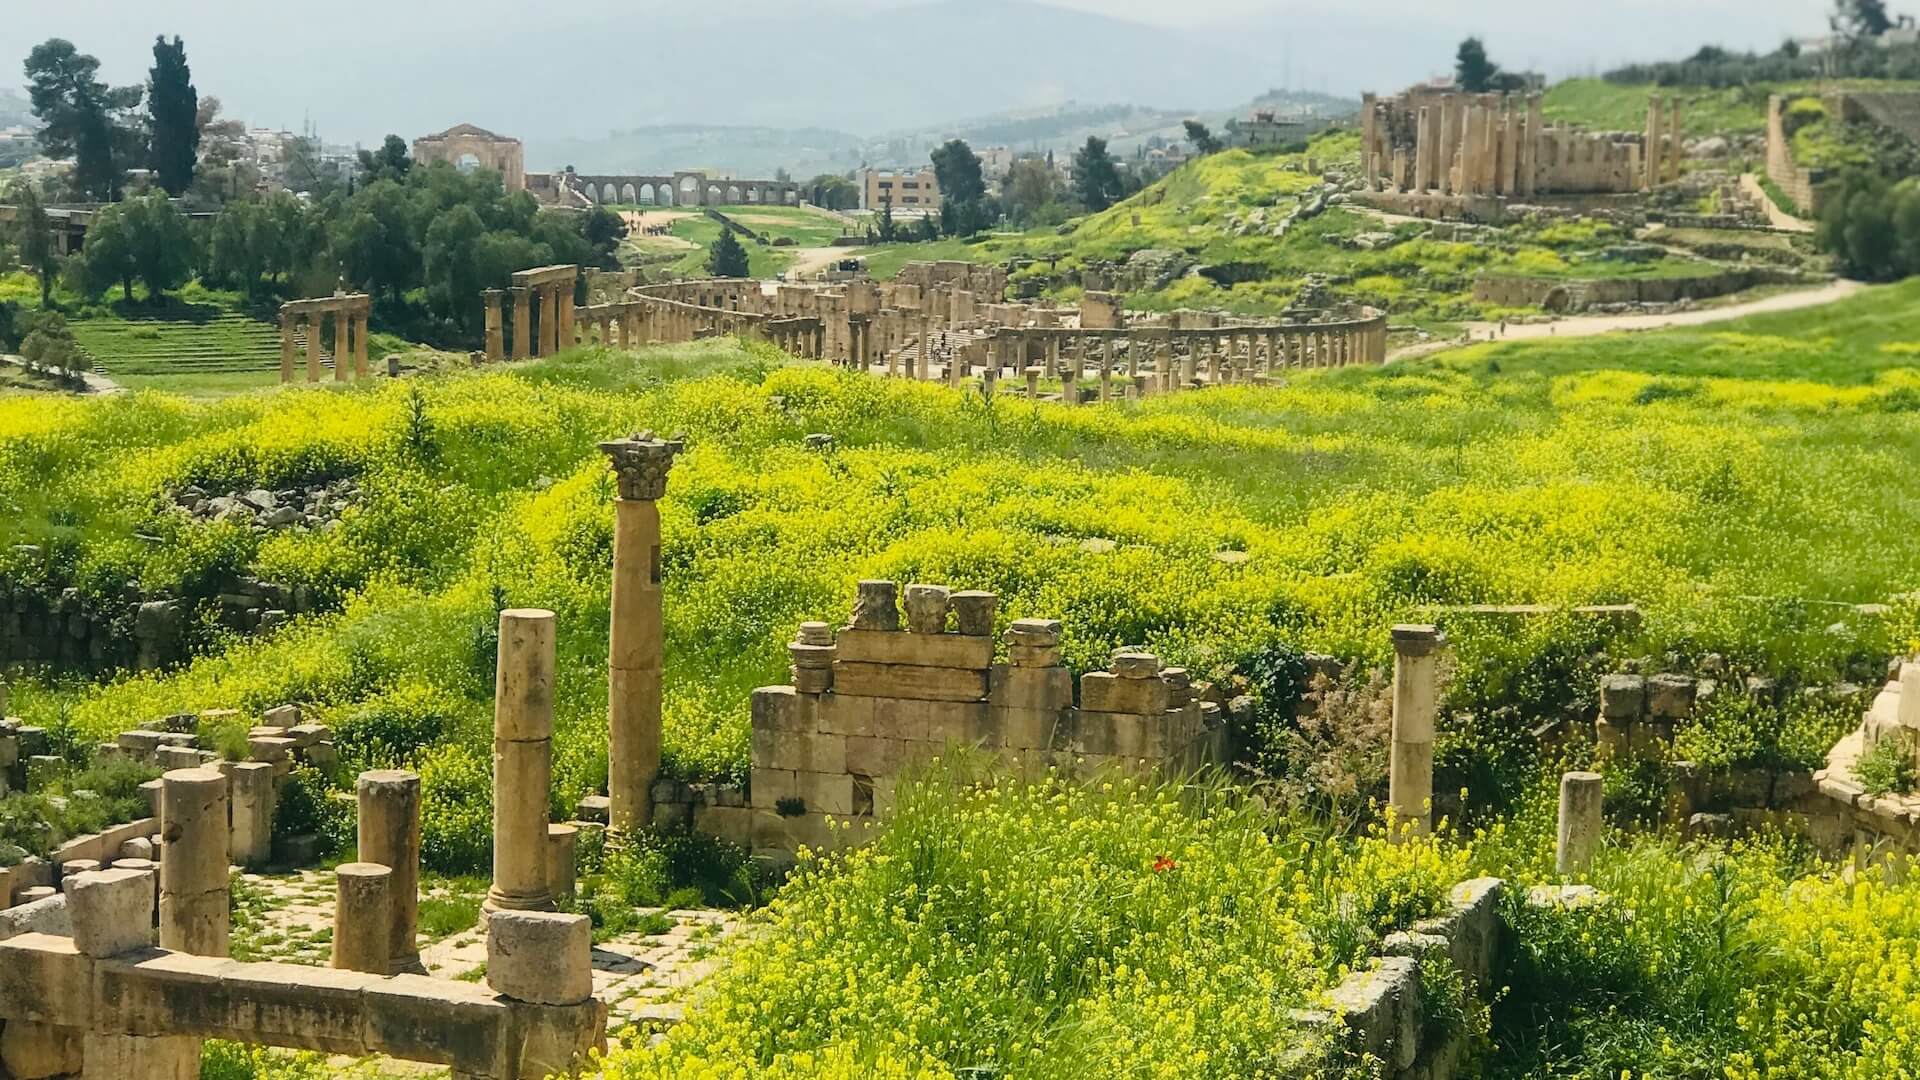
(942, 331)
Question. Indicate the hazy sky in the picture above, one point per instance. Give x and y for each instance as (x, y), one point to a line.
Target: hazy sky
(363, 67)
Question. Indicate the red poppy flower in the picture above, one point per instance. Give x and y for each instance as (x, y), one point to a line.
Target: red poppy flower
(1163, 864)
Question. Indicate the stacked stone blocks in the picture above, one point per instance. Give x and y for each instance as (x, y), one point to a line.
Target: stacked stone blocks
(876, 698)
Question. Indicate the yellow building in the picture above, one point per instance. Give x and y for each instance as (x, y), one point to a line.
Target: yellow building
(905, 190)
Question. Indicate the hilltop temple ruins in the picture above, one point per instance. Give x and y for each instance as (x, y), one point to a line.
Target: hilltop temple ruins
(1433, 151)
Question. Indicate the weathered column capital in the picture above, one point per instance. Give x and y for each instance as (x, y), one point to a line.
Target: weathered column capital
(1416, 639)
(642, 462)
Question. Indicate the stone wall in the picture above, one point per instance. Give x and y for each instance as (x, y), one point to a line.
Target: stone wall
(1638, 717)
(1379, 1011)
(1801, 185)
(68, 631)
(874, 698)
(1581, 294)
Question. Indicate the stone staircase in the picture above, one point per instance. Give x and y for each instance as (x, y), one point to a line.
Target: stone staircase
(228, 342)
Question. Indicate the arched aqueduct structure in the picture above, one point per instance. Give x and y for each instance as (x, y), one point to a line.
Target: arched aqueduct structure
(684, 189)
(934, 323)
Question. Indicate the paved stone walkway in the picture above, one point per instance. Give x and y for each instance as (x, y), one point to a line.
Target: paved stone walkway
(643, 976)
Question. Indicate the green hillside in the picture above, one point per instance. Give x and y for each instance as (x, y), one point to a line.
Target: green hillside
(1704, 111)
(1243, 231)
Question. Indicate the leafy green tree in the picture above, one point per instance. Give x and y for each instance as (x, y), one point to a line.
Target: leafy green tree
(1096, 176)
(376, 241)
(1031, 184)
(1203, 139)
(173, 114)
(390, 162)
(963, 188)
(1872, 226)
(143, 239)
(33, 235)
(48, 343)
(726, 258)
(79, 114)
(833, 192)
(1471, 69)
(603, 230)
(928, 230)
(887, 229)
(1860, 19)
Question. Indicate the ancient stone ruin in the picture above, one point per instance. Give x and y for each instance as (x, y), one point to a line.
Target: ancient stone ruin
(543, 313)
(1433, 152)
(930, 326)
(124, 970)
(349, 312)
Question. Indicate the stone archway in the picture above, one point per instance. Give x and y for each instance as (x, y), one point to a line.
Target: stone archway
(753, 196)
(665, 192)
(486, 150)
(627, 195)
(713, 195)
(792, 197)
(733, 195)
(689, 191)
(1557, 300)
(646, 195)
(607, 194)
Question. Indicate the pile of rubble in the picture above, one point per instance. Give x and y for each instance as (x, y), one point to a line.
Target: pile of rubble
(315, 506)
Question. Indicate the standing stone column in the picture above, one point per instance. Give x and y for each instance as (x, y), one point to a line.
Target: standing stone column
(1449, 142)
(522, 761)
(360, 343)
(1677, 136)
(342, 344)
(550, 326)
(313, 347)
(634, 646)
(1369, 131)
(522, 322)
(1415, 703)
(362, 915)
(193, 862)
(1654, 138)
(389, 835)
(1033, 383)
(250, 789)
(1423, 154)
(1530, 148)
(1580, 823)
(563, 295)
(286, 347)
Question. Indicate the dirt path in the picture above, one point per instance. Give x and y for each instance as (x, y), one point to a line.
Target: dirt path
(1615, 324)
(96, 384)
(812, 260)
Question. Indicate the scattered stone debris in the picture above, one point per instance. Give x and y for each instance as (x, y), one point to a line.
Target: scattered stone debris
(315, 506)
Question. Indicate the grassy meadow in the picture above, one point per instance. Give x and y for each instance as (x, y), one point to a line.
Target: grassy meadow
(1607, 106)
(1733, 481)
(806, 226)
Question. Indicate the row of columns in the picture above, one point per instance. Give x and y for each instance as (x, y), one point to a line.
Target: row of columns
(1480, 144)
(1665, 142)
(554, 303)
(1221, 357)
(349, 337)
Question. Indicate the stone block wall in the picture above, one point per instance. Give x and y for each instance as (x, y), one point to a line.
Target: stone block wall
(873, 699)
(1378, 1010)
(1638, 718)
(63, 629)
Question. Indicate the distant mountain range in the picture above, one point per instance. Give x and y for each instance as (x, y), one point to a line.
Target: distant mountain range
(806, 152)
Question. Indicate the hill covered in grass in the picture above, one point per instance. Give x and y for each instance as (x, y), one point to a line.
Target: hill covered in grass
(1705, 111)
(1721, 478)
(1242, 232)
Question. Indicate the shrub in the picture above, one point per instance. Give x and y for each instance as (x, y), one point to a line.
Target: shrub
(1886, 769)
